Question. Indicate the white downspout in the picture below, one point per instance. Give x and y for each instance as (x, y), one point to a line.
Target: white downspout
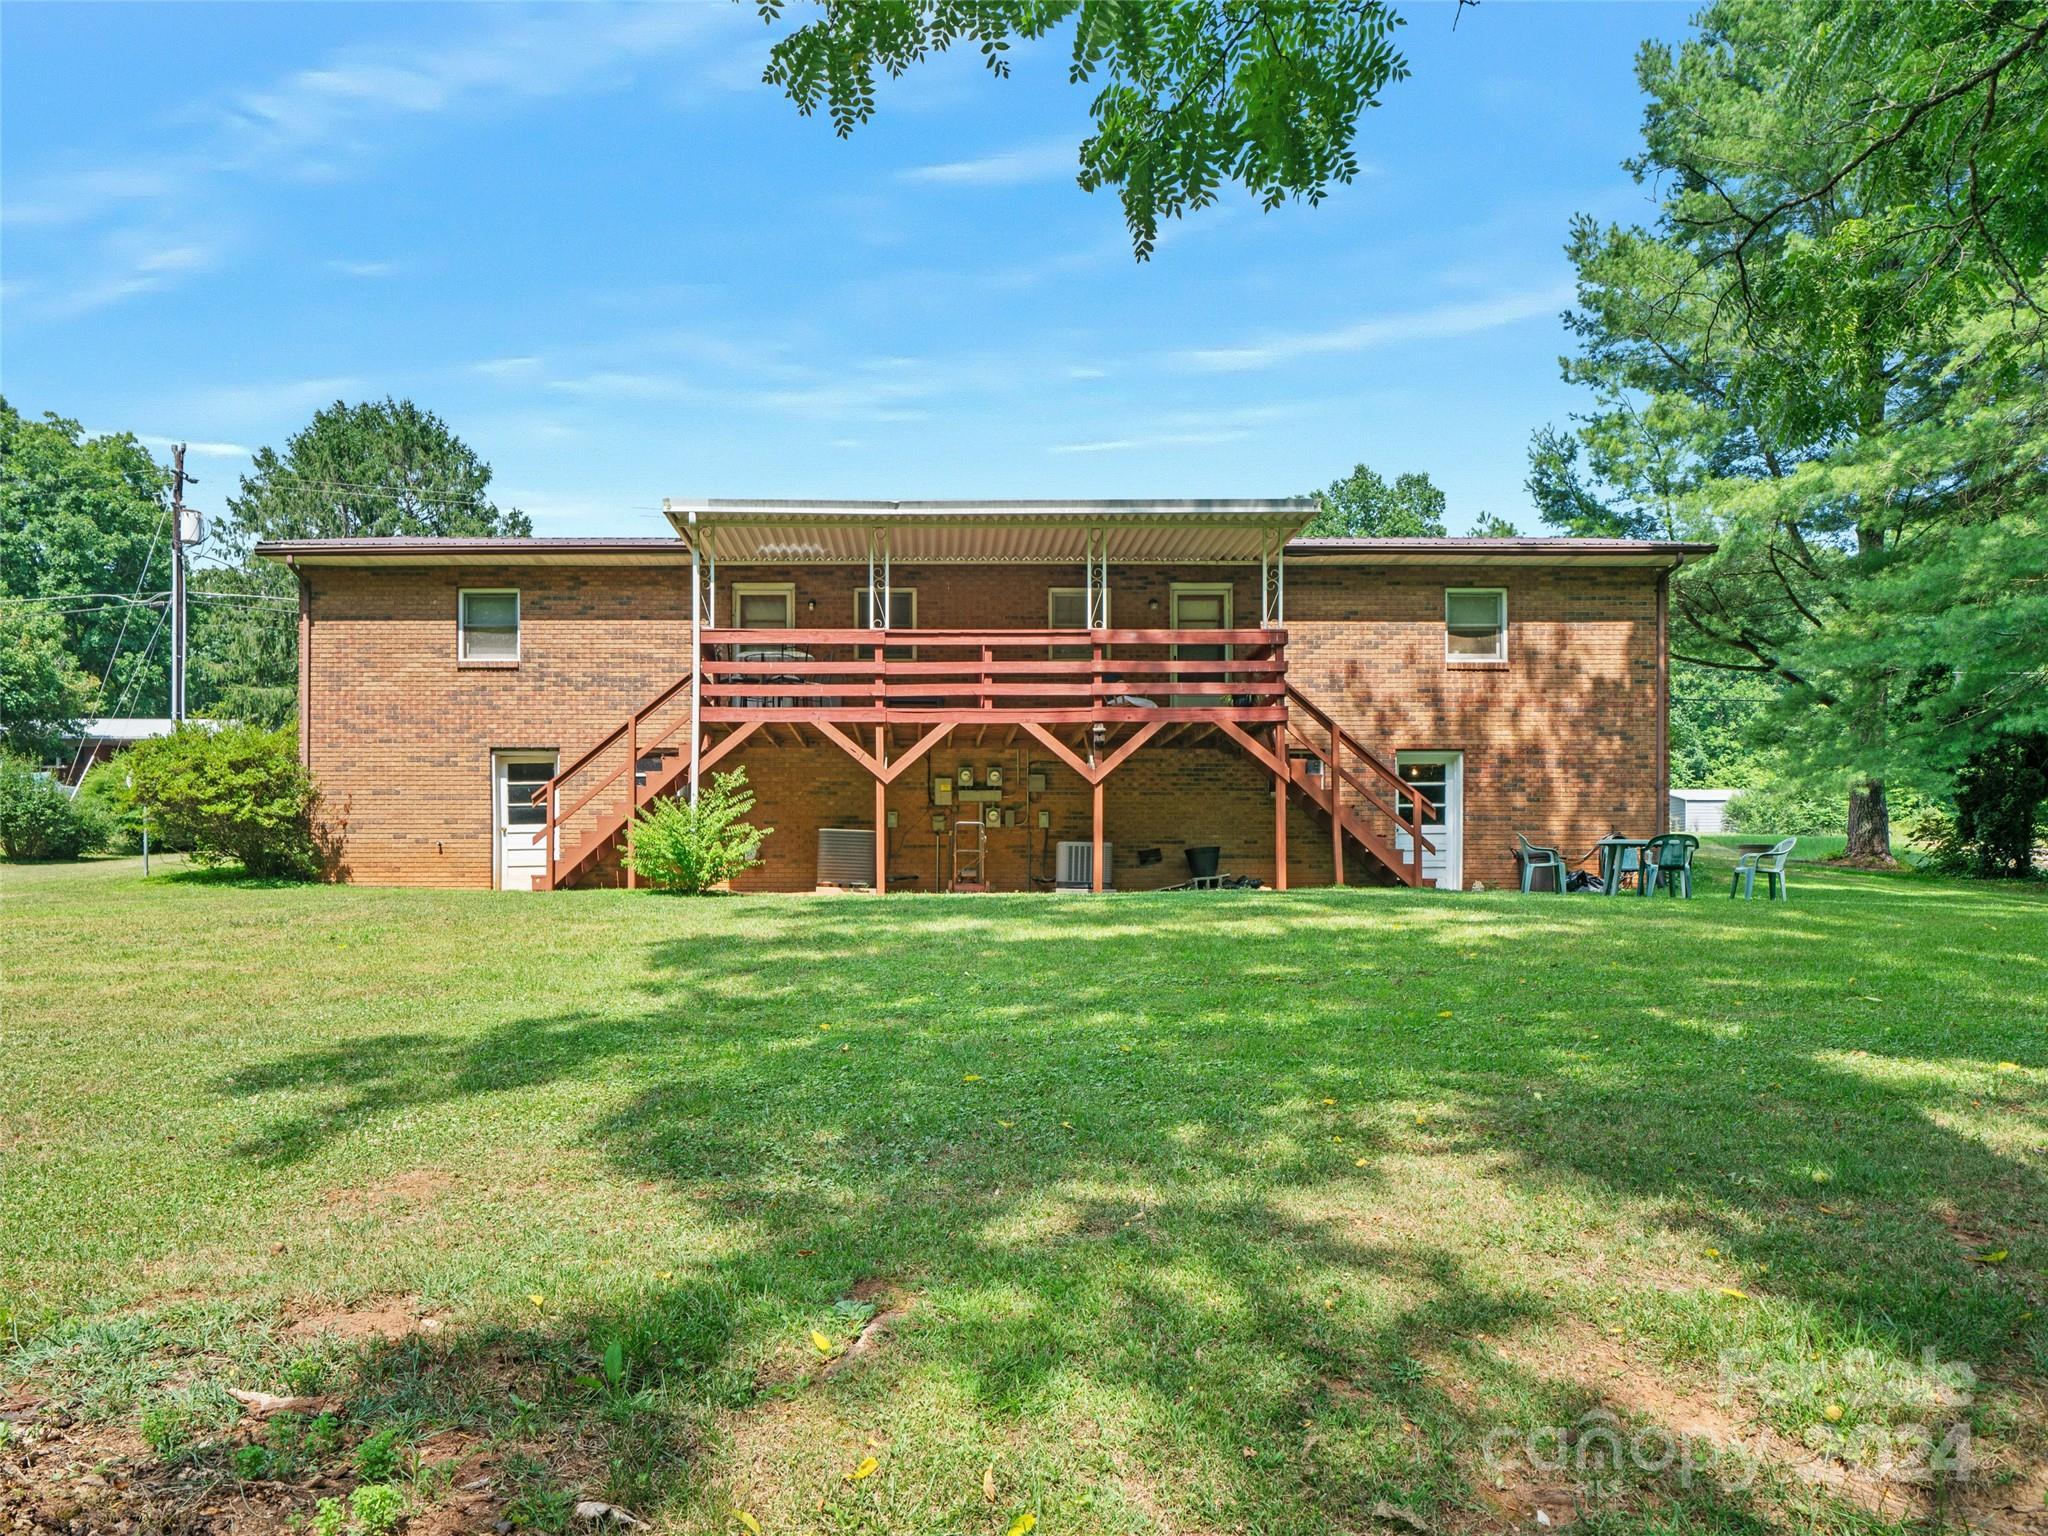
(696, 660)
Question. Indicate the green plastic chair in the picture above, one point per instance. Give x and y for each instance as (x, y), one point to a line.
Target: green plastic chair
(1771, 865)
(1668, 860)
(1535, 857)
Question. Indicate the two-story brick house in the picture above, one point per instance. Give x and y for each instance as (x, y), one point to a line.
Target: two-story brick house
(987, 695)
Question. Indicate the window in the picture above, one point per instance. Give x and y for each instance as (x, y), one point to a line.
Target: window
(1475, 624)
(763, 607)
(1067, 608)
(489, 626)
(902, 615)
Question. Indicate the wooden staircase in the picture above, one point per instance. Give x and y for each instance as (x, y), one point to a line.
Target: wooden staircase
(586, 821)
(1372, 814)
(1356, 795)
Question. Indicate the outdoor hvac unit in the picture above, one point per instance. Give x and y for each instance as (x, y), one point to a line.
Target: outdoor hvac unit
(846, 856)
(1077, 866)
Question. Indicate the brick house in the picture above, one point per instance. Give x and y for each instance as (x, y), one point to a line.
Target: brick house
(990, 695)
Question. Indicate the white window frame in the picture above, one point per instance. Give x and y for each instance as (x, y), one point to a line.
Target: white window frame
(1501, 650)
(786, 590)
(1079, 594)
(462, 626)
(894, 652)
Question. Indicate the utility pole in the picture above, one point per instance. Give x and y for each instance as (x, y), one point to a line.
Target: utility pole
(187, 528)
(178, 582)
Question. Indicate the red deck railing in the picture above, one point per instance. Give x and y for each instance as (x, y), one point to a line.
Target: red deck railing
(1049, 677)
(753, 677)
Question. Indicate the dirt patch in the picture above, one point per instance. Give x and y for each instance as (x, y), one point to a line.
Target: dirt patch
(1690, 1410)
(59, 1476)
(382, 1320)
(471, 1503)
(891, 1307)
(415, 1186)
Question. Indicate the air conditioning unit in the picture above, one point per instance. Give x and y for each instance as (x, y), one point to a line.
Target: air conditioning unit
(1076, 870)
(846, 856)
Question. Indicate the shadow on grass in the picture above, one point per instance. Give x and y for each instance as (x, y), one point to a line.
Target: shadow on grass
(1135, 1152)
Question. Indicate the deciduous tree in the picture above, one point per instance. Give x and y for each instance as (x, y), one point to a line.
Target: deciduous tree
(1361, 505)
(1265, 93)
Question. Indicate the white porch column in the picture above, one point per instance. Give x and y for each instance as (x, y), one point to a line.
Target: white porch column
(696, 664)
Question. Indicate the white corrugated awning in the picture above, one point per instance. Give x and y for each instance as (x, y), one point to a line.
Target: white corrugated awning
(989, 532)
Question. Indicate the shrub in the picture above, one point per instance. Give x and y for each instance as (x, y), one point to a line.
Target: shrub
(232, 795)
(103, 796)
(40, 820)
(1781, 810)
(682, 847)
(377, 1456)
(376, 1508)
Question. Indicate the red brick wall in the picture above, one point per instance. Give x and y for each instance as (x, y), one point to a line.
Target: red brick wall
(399, 734)
(1560, 742)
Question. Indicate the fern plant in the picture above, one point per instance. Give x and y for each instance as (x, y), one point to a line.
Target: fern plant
(692, 848)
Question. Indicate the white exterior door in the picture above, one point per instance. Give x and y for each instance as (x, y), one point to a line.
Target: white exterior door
(1441, 777)
(520, 857)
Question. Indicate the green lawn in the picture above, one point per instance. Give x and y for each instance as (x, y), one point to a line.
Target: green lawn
(1173, 1213)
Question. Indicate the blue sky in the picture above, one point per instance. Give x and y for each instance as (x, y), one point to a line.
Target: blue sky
(623, 269)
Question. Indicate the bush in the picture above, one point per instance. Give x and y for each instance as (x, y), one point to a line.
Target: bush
(234, 795)
(103, 796)
(1779, 810)
(40, 820)
(682, 847)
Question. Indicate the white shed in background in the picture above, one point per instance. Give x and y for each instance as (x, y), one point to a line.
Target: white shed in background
(1700, 810)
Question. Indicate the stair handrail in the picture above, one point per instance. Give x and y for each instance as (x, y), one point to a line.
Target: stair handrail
(1367, 791)
(549, 793)
(1340, 739)
(1365, 753)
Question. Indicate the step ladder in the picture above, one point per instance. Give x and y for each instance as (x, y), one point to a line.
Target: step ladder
(970, 858)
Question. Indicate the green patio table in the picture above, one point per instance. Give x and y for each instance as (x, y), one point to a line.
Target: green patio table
(1611, 851)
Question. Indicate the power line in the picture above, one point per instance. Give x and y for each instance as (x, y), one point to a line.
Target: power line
(128, 612)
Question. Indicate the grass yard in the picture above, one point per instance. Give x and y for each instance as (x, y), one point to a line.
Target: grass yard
(1231, 1213)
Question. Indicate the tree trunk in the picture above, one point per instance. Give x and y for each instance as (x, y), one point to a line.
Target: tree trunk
(1870, 823)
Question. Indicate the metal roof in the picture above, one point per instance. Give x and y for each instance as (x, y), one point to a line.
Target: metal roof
(126, 727)
(417, 551)
(988, 532)
(1522, 551)
(981, 533)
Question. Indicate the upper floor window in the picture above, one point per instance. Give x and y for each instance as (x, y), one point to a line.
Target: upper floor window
(1475, 624)
(1067, 608)
(489, 625)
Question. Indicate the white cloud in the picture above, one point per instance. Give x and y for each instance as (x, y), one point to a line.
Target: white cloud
(118, 267)
(1033, 162)
(266, 403)
(1440, 322)
(325, 123)
(619, 384)
(1154, 440)
(197, 450)
(506, 367)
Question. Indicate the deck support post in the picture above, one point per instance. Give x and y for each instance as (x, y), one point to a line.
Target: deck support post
(1333, 785)
(881, 815)
(1280, 811)
(632, 794)
(1095, 864)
